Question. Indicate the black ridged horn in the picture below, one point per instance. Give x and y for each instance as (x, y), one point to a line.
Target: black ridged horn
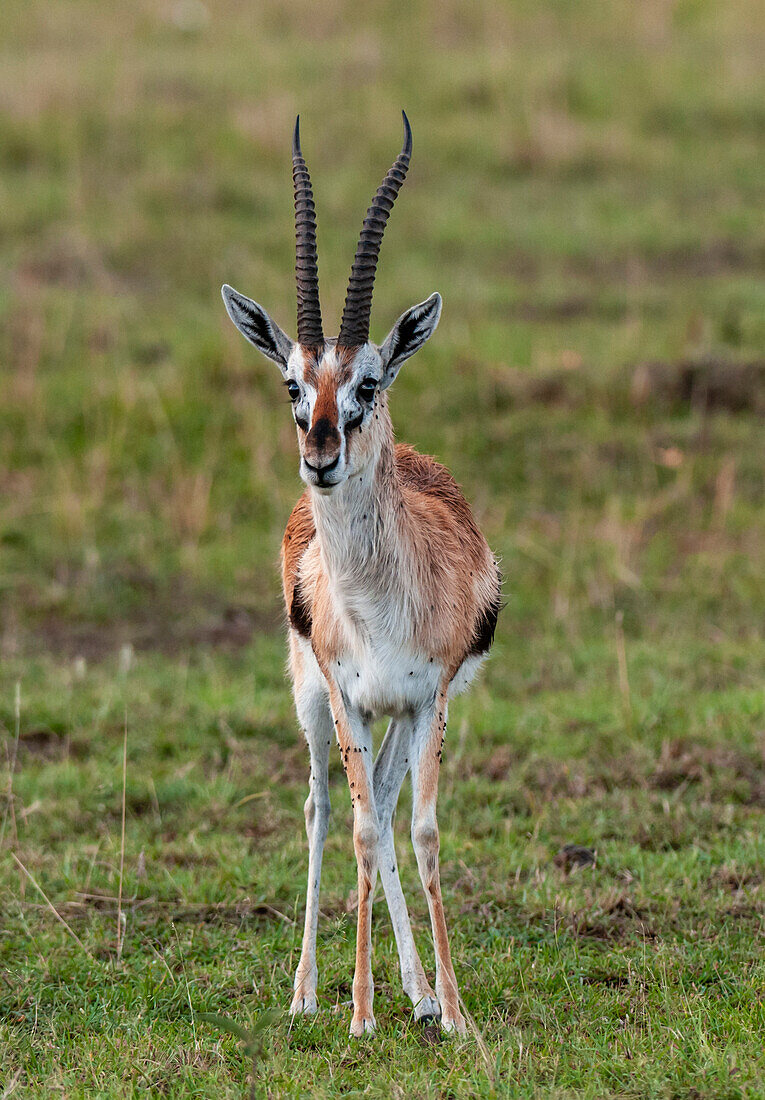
(354, 328)
(306, 260)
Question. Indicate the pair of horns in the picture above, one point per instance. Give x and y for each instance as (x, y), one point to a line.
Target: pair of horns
(354, 328)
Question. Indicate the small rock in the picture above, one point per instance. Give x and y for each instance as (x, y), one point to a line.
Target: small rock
(573, 856)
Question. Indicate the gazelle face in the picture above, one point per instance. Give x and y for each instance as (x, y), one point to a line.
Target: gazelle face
(334, 396)
(335, 391)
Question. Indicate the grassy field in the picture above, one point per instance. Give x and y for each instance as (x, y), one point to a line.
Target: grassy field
(587, 194)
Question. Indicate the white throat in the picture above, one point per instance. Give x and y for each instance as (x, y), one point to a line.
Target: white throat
(351, 525)
(359, 533)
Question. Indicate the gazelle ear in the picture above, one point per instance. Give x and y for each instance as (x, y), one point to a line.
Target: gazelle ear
(408, 335)
(256, 326)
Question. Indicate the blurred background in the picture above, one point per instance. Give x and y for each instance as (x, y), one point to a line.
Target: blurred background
(587, 194)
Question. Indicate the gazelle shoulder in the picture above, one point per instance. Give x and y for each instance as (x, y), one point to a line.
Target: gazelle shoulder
(423, 476)
(424, 473)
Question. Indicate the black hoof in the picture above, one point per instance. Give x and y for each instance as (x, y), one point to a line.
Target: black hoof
(429, 1031)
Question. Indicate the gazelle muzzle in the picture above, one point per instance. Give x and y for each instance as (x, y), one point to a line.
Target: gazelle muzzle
(322, 449)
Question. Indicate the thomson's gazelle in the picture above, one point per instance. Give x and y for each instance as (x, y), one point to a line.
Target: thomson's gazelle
(391, 591)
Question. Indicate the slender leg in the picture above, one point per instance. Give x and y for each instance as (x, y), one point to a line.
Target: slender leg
(428, 739)
(316, 719)
(355, 741)
(390, 768)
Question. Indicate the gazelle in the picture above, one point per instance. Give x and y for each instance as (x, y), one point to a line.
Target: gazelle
(391, 591)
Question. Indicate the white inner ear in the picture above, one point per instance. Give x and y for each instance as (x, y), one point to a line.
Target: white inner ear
(257, 326)
(408, 335)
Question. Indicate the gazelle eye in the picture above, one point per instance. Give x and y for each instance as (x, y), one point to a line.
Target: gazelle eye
(366, 390)
(293, 389)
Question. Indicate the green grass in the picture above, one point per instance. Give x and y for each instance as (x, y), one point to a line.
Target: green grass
(586, 193)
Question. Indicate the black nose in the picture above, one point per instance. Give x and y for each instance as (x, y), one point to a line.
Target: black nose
(320, 471)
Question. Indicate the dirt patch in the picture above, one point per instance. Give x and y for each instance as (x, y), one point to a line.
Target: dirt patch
(733, 879)
(200, 627)
(148, 911)
(617, 919)
(745, 913)
(736, 775)
(714, 258)
(500, 762)
(719, 257)
(702, 384)
(712, 383)
(244, 912)
(511, 388)
(608, 981)
(171, 618)
(721, 772)
(534, 780)
(65, 262)
(572, 308)
(43, 743)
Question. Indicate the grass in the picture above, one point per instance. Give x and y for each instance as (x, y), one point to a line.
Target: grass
(586, 193)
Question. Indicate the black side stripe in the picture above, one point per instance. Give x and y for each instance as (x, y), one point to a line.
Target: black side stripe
(486, 624)
(300, 613)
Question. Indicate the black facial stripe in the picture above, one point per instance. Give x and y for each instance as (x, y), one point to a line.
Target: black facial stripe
(355, 422)
(323, 431)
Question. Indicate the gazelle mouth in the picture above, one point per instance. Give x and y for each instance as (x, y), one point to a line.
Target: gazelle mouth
(322, 477)
(322, 483)
(325, 488)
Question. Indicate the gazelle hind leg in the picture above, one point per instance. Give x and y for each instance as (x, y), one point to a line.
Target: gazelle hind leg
(390, 769)
(355, 741)
(315, 717)
(426, 762)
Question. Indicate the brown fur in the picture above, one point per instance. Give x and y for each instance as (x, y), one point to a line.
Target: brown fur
(345, 358)
(326, 399)
(455, 568)
(298, 535)
(311, 359)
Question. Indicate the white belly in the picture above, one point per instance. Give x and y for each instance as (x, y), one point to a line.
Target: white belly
(384, 677)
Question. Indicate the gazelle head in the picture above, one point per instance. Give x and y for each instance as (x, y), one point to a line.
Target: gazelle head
(336, 385)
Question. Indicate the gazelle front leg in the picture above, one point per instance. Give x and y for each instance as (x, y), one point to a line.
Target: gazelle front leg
(355, 741)
(428, 740)
(315, 717)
